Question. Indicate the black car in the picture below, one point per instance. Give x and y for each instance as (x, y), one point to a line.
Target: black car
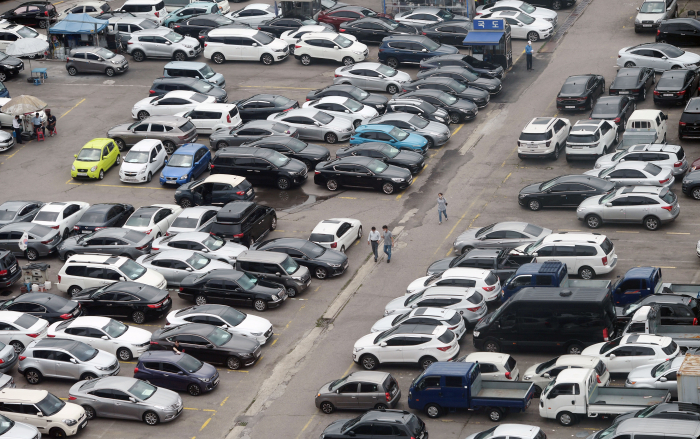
(9, 66)
(614, 108)
(277, 26)
(676, 86)
(260, 166)
(362, 172)
(451, 86)
(679, 32)
(377, 423)
(470, 63)
(249, 132)
(208, 191)
(34, 13)
(263, 105)
(310, 154)
(633, 82)
(234, 288)
(689, 125)
(673, 309)
(134, 300)
(47, 306)
(194, 26)
(563, 191)
(375, 29)
(448, 32)
(580, 92)
(460, 110)
(244, 222)
(691, 184)
(463, 75)
(9, 269)
(208, 343)
(322, 262)
(374, 100)
(163, 86)
(418, 107)
(18, 211)
(389, 154)
(99, 216)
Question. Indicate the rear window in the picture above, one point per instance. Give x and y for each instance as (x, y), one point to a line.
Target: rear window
(583, 138)
(321, 237)
(225, 229)
(670, 82)
(188, 126)
(46, 216)
(600, 368)
(690, 117)
(533, 230)
(390, 385)
(680, 154)
(607, 246)
(668, 196)
(185, 223)
(625, 82)
(26, 321)
(510, 364)
(534, 137)
(39, 230)
(244, 186)
(476, 298)
(671, 348)
(652, 169)
(573, 89)
(447, 337)
(8, 261)
(455, 319)
(233, 112)
(160, 6)
(491, 279)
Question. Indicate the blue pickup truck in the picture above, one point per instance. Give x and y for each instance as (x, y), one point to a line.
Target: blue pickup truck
(545, 274)
(456, 385)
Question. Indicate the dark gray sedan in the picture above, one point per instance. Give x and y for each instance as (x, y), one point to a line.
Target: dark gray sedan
(451, 86)
(42, 240)
(436, 133)
(18, 211)
(108, 241)
(364, 390)
(249, 132)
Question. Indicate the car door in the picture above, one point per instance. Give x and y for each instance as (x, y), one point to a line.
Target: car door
(346, 396)
(620, 359)
(124, 408)
(391, 349)
(65, 368)
(643, 355)
(173, 376)
(215, 292)
(668, 381)
(557, 195)
(617, 211)
(162, 220)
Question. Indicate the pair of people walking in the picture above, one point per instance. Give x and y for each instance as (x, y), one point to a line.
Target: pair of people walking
(374, 238)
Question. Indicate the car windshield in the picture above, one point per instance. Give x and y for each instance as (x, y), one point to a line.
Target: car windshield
(610, 431)
(50, 405)
(386, 71)
(132, 270)
(6, 215)
(26, 32)
(653, 8)
(174, 37)
(412, 298)
(233, 317)
(84, 352)
(137, 157)
(446, 99)
(526, 18)
(219, 337)
(312, 249)
(383, 335)
(142, 390)
(202, 87)
(115, 328)
(278, 159)
(353, 105)
(247, 281)
(486, 434)
(342, 41)
(46, 216)
(359, 94)
(189, 363)
(263, 38)
(289, 265)
(418, 121)
(351, 423)
(583, 138)
(429, 44)
(527, 7)
(337, 383)
(213, 242)
(610, 345)
(176, 160)
(323, 118)
(672, 51)
(377, 167)
(398, 134)
(104, 53)
(445, 15)
(198, 261)
(5, 424)
(89, 155)
(605, 198)
(546, 365)
(390, 151)
(206, 71)
(295, 144)
(548, 184)
(661, 369)
(617, 156)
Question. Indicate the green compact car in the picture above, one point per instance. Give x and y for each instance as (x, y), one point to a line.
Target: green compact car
(96, 157)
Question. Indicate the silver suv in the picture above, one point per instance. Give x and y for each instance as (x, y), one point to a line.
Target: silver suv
(669, 156)
(162, 43)
(62, 358)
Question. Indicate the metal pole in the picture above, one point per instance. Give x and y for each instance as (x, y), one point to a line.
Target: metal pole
(384, 6)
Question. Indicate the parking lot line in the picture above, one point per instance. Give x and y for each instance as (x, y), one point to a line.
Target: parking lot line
(457, 130)
(223, 402)
(72, 108)
(677, 233)
(272, 86)
(306, 426)
(507, 177)
(18, 150)
(117, 185)
(274, 341)
(205, 424)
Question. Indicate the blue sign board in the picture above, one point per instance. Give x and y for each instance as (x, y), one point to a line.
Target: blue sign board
(489, 24)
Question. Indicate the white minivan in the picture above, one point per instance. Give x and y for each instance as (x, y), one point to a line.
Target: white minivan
(210, 117)
(244, 45)
(152, 9)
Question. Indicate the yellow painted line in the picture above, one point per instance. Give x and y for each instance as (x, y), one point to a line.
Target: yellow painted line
(208, 410)
(272, 86)
(205, 424)
(623, 231)
(348, 369)
(119, 186)
(507, 177)
(274, 341)
(449, 251)
(224, 401)
(457, 130)
(189, 408)
(63, 399)
(677, 233)
(58, 3)
(348, 198)
(72, 108)
(16, 151)
(667, 267)
(239, 371)
(306, 426)
(262, 356)
(317, 289)
(503, 164)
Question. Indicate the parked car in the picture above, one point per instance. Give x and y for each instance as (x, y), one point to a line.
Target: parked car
(616, 109)
(164, 85)
(43, 240)
(624, 354)
(336, 233)
(177, 264)
(635, 174)
(669, 156)
(459, 110)
(107, 241)
(331, 47)
(520, 6)
(93, 59)
(494, 366)
(261, 106)
(162, 43)
(214, 189)
(95, 270)
(690, 187)
(186, 164)
(292, 37)
(193, 26)
(226, 44)
(95, 158)
(672, 309)
(244, 222)
(134, 300)
(343, 108)
(544, 137)
(192, 220)
(190, 10)
(465, 76)
(676, 86)
(656, 376)
(392, 135)
(102, 215)
(212, 246)
(653, 12)
(170, 104)
(580, 92)
(177, 371)
(9, 271)
(418, 107)
(62, 216)
(47, 306)
(411, 49)
(633, 81)
(375, 100)
(451, 86)
(483, 280)
(658, 56)
(276, 267)
(468, 62)
(576, 187)
(277, 26)
(344, 14)
(679, 32)
(210, 117)
(542, 374)
(372, 76)
(19, 329)
(467, 301)
(375, 29)
(142, 161)
(314, 124)
(18, 211)
(225, 317)
(48, 414)
(154, 219)
(525, 26)
(308, 153)
(253, 14)
(426, 15)
(249, 132)
(19, 430)
(451, 32)
(591, 139)
(359, 391)
(689, 123)
(406, 424)
(413, 161)
(35, 13)
(194, 69)
(13, 32)
(501, 234)
(322, 262)
(448, 318)
(153, 10)
(173, 131)
(260, 166)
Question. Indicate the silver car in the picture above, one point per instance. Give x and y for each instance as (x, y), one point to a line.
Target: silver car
(313, 124)
(63, 358)
(659, 56)
(108, 241)
(504, 234)
(212, 245)
(193, 219)
(10, 429)
(175, 265)
(42, 240)
(19, 211)
(365, 390)
(656, 376)
(95, 60)
(126, 398)
(372, 76)
(173, 131)
(635, 174)
(650, 206)
(669, 156)
(162, 43)
(436, 133)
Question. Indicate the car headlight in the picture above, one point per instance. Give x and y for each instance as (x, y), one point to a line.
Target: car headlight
(477, 333)
(358, 349)
(70, 422)
(256, 334)
(72, 168)
(398, 180)
(246, 355)
(274, 297)
(297, 278)
(143, 170)
(527, 377)
(439, 119)
(184, 177)
(631, 382)
(160, 407)
(690, 65)
(161, 175)
(101, 368)
(580, 208)
(659, 20)
(464, 110)
(206, 380)
(93, 169)
(278, 50)
(521, 196)
(636, 21)
(358, 53)
(334, 265)
(597, 166)
(178, 192)
(115, 62)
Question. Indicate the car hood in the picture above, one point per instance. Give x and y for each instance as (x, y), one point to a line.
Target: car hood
(314, 150)
(605, 161)
(365, 341)
(133, 167)
(488, 83)
(384, 323)
(465, 103)
(593, 350)
(241, 344)
(395, 306)
(649, 16)
(174, 171)
(136, 335)
(474, 93)
(254, 324)
(468, 235)
(593, 172)
(11, 61)
(70, 411)
(277, 44)
(230, 250)
(590, 202)
(164, 398)
(145, 102)
(445, 49)
(335, 427)
(531, 371)
(531, 189)
(332, 257)
(440, 265)
(325, 389)
(82, 164)
(400, 77)
(357, 46)
(339, 124)
(152, 278)
(416, 285)
(103, 359)
(642, 373)
(118, 129)
(687, 58)
(396, 172)
(22, 430)
(408, 157)
(415, 140)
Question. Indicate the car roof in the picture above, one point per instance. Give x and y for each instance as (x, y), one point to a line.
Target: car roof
(189, 148)
(19, 204)
(241, 32)
(364, 64)
(58, 206)
(393, 115)
(631, 165)
(243, 151)
(332, 99)
(93, 321)
(465, 272)
(235, 209)
(592, 238)
(642, 190)
(196, 212)
(301, 112)
(22, 395)
(405, 37)
(286, 241)
(329, 225)
(123, 382)
(262, 256)
(516, 430)
(322, 35)
(539, 125)
(258, 6)
(610, 100)
(414, 328)
(351, 160)
(214, 106)
(374, 127)
(233, 180)
(208, 308)
(645, 338)
(224, 273)
(444, 313)
(178, 254)
(60, 343)
(193, 328)
(185, 64)
(628, 71)
(491, 357)
(644, 114)
(166, 120)
(375, 146)
(180, 94)
(369, 375)
(449, 291)
(656, 147)
(263, 123)
(156, 31)
(578, 360)
(653, 426)
(145, 145)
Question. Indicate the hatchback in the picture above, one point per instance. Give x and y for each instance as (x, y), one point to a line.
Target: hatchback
(337, 233)
(494, 366)
(42, 409)
(95, 158)
(395, 50)
(185, 164)
(153, 220)
(676, 86)
(224, 44)
(214, 189)
(177, 371)
(95, 60)
(142, 161)
(359, 391)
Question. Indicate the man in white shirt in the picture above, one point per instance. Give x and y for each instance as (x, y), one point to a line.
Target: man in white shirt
(17, 126)
(373, 240)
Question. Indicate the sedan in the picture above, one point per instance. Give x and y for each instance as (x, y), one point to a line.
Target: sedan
(616, 109)
(658, 56)
(635, 174)
(193, 26)
(315, 125)
(362, 172)
(563, 191)
(263, 105)
(214, 247)
(153, 220)
(633, 82)
(436, 133)
(343, 14)
(464, 75)
(253, 14)
(509, 234)
(18, 329)
(520, 6)
(321, 261)
(413, 161)
(459, 110)
(277, 26)
(343, 108)
(18, 211)
(479, 96)
(169, 104)
(350, 91)
(175, 265)
(46, 306)
(374, 30)
(524, 26)
(62, 216)
(42, 240)
(676, 86)
(308, 153)
(468, 62)
(134, 300)
(225, 317)
(122, 397)
(103, 215)
(448, 32)
(424, 16)
(250, 132)
(372, 76)
(392, 135)
(113, 241)
(662, 376)
(580, 92)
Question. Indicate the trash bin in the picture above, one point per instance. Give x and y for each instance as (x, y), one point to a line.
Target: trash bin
(36, 273)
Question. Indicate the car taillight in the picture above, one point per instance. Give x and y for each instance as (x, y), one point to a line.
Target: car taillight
(336, 76)
(149, 232)
(473, 309)
(560, 99)
(656, 93)
(228, 118)
(240, 193)
(67, 59)
(388, 396)
(238, 235)
(154, 342)
(51, 335)
(424, 33)
(3, 272)
(605, 334)
(617, 120)
(55, 227)
(76, 228)
(508, 376)
(129, 43)
(59, 278)
(66, 316)
(444, 348)
(205, 44)
(47, 242)
(22, 358)
(212, 166)
(605, 260)
(296, 46)
(72, 398)
(177, 26)
(491, 288)
(155, 248)
(635, 91)
(479, 13)
(342, 30)
(581, 99)
(142, 247)
(664, 181)
(317, 172)
(658, 32)
(681, 93)
(259, 28)
(183, 137)
(678, 164)
(182, 289)
(136, 369)
(453, 328)
(33, 335)
(155, 305)
(334, 245)
(683, 123)
(151, 92)
(157, 14)
(597, 377)
(669, 208)
(695, 322)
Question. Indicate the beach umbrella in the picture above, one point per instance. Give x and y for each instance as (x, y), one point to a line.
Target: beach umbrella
(28, 47)
(22, 105)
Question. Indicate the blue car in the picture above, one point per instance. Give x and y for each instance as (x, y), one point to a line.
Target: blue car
(195, 8)
(187, 163)
(179, 372)
(4, 92)
(392, 135)
(411, 49)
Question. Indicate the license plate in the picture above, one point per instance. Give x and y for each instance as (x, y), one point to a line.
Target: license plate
(84, 424)
(646, 25)
(624, 92)
(84, 231)
(13, 269)
(308, 281)
(570, 106)
(216, 382)
(82, 174)
(667, 94)
(250, 191)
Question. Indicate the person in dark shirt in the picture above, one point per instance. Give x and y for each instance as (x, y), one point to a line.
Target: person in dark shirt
(50, 122)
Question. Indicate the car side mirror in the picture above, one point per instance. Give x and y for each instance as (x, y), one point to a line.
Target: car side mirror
(104, 337)
(278, 274)
(534, 254)
(663, 379)
(382, 344)
(546, 375)
(132, 399)
(607, 177)
(520, 24)
(255, 44)
(306, 258)
(210, 346)
(153, 160)
(347, 111)
(121, 279)
(180, 373)
(74, 361)
(39, 414)
(336, 47)
(189, 269)
(612, 356)
(637, 9)
(424, 50)
(75, 155)
(608, 204)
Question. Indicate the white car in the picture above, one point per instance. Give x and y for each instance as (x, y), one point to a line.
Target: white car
(253, 14)
(193, 219)
(658, 56)
(669, 156)
(61, 215)
(106, 334)
(227, 318)
(424, 316)
(650, 121)
(524, 26)
(636, 174)
(233, 44)
(591, 139)
(344, 108)
(329, 46)
(520, 431)
(425, 16)
(154, 219)
(337, 233)
(542, 374)
(208, 118)
(19, 329)
(653, 12)
(483, 280)
(224, 6)
(291, 37)
(142, 161)
(494, 366)
(213, 246)
(92, 8)
(625, 353)
(520, 6)
(11, 32)
(176, 264)
(53, 415)
(170, 104)
(543, 137)
(416, 344)
(469, 302)
(92, 271)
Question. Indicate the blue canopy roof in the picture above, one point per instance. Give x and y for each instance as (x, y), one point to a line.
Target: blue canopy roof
(75, 24)
(482, 38)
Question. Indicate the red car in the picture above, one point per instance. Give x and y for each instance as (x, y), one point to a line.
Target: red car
(695, 165)
(347, 13)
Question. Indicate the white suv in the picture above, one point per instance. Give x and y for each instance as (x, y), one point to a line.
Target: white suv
(585, 254)
(142, 161)
(324, 45)
(590, 139)
(543, 137)
(630, 351)
(494, 366)
(43, 410)
(210, 117)
(154, 10)
(484, 281)
(424, 316)
(162, 43)
(90, 271)
(62, 216)
(417, 344)
(467, 301)
(244, 45)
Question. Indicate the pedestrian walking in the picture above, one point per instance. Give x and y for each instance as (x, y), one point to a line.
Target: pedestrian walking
(528, 54)
(388, 242)
(442, 207)
(373, 240)
(50, 122)
(17, 126)
(38, 124)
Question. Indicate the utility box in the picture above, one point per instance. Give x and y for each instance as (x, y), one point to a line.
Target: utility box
(35, 273)
(688, 379)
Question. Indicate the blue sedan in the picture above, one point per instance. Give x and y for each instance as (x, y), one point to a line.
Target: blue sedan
(392, 135)
(187, 163)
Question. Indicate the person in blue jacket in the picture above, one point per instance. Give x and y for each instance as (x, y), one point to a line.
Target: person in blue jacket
(528, 54)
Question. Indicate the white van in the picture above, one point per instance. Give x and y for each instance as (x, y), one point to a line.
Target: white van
(649, 120)
(151, 9)
(244, 45)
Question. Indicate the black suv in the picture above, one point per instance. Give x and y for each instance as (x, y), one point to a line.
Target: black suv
(244, 222)
(614, 108)
(260, 166)
(679, 32)
(9, 269)
(309, 153)
(378, 423)
(689, 125)
(163, 86)
(9, 66)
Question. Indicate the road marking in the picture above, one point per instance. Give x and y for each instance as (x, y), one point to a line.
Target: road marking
(208, 410)
(677, 233)
(348, 370)
(667, 267)
(274, 341)
(205, 424)
(224, 401)
(348, 198)
(448, 252)
(457, 130)
(503, 164)
(507, 177)
(72, 108)
(623, 231)
(117, 185)
(306, 426)
(16, 151)
(272, 86)
(317, 289)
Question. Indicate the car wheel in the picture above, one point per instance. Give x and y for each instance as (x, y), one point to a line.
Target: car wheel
(3, 76)
(533, 36)
(185, 203)
(72, 291)
(124, 354)
(171, 25)
(644, 94)
(138, 56)
(69, 255)
(102, 175)
(392, 62)
(109, 72)
(320, 273)
(267, 59)
(534, 205)
(283, 183)
(425, 362)
(630, 64)
(431, 142)
(233, 363)
(149, 177)
(89, 412)
(466, 249)
(566, 419)
(327, 407)
(574, 349)
(433, 410)
(33, 376)
(180, 56)
(169, 146)
(260, 305)
(57, 432)
(200, 300)
(291, 49)
(194, 390)
(495, 414)
(120, 143)
(305, 60)
(291, 291)
(696, 193)
(72, 71)
(556, 5)
(138, 317)
(151, 418)
(586, 273)
(651, 223)
(348, 61)
(381, 406)
(555, 154)
(331, 138)
(332, 185)
(392, 89)
(218, 58)
(388, 188)
(593, 221)
(19, 347)
(88, 377)
(455, 118)
(369, 362)
(273, 223)
(492, 345)
(31, 254)
(119, 160)
(142, 114)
